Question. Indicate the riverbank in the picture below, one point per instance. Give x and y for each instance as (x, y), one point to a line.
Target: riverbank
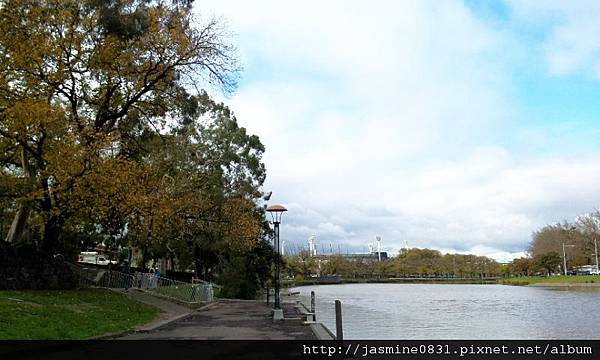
(571, 280)
(562, 280)
(69, 314)
(311, 282)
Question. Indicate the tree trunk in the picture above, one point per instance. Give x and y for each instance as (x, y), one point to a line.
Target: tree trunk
(52, 231)
(17, 228)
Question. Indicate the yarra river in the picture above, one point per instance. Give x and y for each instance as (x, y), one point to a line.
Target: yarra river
(447, 311)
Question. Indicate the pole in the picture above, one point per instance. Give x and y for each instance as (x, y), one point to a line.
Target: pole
(564, 259)
(312, 305)
(596, 252)
(338, 321)
(277, 267)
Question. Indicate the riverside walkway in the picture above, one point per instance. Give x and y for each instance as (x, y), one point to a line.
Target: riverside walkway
(231, 320)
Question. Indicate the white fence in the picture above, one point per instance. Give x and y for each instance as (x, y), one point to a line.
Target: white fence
(177, 290)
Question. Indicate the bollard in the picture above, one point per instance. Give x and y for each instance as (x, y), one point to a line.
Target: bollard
(338, 321)
(312, 305)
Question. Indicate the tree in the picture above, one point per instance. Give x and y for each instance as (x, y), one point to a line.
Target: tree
(336, 265)
(549, 238)
(548, 262)
(83, 82)
(106, 138)
(522, 266)
(302, 265)
(577, 237)
(243, 275)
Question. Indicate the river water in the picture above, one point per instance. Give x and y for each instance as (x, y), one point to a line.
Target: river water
(445, 311)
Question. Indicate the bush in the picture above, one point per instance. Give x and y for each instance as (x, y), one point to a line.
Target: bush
(24, 267)
(244, 275)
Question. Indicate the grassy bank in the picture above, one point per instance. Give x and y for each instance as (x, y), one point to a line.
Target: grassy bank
(574, 279)
(68, 314)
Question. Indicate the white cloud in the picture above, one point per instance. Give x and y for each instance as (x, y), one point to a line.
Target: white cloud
(573, 41)
(384, 120)
(502, 256)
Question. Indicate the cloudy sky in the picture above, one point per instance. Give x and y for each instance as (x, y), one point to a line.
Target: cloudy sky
(456, 125)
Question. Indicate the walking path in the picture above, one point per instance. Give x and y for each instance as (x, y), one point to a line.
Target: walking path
(170, 310)
(237, 319)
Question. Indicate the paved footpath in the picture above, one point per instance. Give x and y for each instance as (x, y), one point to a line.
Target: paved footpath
(169, 310)
(239, 320)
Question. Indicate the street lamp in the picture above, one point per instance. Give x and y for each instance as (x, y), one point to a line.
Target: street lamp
(276, 211)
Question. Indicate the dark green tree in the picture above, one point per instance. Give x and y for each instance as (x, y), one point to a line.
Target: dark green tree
(548, 262)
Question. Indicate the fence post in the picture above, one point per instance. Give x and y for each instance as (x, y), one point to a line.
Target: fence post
(338, 321)
(312, 305)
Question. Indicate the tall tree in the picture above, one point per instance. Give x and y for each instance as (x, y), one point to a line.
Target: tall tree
(82, 83)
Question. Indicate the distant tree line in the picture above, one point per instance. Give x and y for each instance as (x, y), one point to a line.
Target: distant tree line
(409, 263)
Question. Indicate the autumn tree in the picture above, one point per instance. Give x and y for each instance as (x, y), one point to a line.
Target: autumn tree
(578, 238)
(107, 137)
(337, 265)
(521, 266)
(431, 262)
(82, 83)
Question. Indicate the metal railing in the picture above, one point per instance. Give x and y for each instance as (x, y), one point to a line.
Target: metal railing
(105, 278)
(174, 289)
(200, 292)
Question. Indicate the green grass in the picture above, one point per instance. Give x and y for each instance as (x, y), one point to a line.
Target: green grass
(68, 314)
(574, 279)
(180, 292)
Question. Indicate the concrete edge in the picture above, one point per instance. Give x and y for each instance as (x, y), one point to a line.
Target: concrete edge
(154, 326)
(586, 285)
(111, 336)
(208, 306)
(238, 300)
(321, 332)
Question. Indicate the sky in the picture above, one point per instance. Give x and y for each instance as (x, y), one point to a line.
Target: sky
(462, 126)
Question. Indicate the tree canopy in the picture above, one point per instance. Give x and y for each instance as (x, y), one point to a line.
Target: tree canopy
(579, 237)
(107, 136)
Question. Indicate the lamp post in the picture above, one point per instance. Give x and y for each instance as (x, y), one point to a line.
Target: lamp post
(276, 211)
(596, 255)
